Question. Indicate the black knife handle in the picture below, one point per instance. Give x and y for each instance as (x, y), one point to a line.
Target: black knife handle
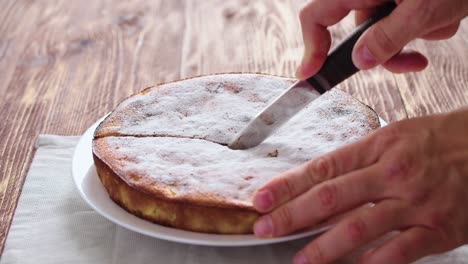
(339, 64)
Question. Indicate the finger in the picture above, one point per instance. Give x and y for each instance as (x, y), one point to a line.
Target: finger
(315, 17)
(322, 202)
(315, 51)
(406, 247)
(443, 33)
(298, 180)
(362, 15)
(406, 61)
(386, 38)
(317, 41)
(352, 232)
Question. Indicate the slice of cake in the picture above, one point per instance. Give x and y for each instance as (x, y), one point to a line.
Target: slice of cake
(162, 154)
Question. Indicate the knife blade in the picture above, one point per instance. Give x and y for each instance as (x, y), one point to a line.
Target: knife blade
(337, 67)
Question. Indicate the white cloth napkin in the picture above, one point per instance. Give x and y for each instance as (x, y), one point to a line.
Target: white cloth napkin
(52, 224)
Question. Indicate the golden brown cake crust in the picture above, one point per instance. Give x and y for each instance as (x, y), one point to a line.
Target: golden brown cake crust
(179, 214)
(161, 153)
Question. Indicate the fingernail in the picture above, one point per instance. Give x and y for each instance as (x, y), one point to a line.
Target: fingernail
(263, 227)
(263, 200)
(299, 74)
(364, 58)
(299, 259)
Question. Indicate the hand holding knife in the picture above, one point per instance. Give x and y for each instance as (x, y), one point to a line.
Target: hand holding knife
(337, 68)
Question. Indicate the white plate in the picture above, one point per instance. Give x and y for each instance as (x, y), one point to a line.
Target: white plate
(91, 190)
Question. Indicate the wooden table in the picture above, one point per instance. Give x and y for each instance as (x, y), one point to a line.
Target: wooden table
(63, 64)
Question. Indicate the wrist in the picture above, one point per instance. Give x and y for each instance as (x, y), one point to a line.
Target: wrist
(455, 124)
(451, 140)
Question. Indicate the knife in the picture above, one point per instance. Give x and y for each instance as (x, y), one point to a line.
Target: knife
(337, 67)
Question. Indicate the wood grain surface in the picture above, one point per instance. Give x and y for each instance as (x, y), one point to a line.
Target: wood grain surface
(63, 64)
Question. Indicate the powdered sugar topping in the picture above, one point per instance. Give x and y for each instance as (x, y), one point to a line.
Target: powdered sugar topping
(212, 110)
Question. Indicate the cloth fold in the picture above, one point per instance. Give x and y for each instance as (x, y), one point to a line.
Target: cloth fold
(52, 224)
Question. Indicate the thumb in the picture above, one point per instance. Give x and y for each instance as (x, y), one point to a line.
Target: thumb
(387, 37)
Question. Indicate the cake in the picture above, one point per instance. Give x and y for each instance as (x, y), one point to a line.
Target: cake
(162, 154)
